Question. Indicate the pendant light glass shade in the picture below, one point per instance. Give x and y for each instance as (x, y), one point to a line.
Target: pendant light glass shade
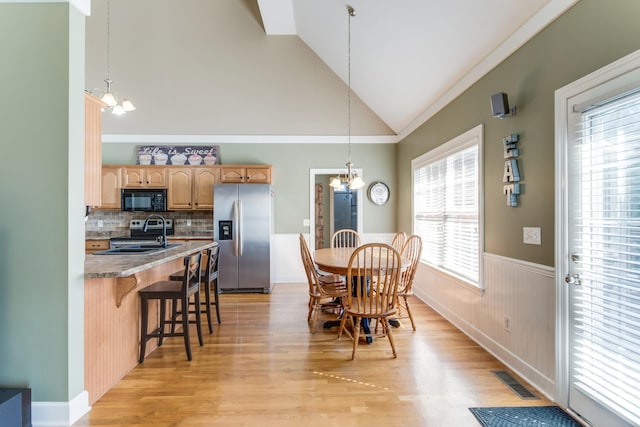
(109, 99)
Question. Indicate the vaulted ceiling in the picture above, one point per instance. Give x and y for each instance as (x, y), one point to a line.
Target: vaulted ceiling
(409, 58)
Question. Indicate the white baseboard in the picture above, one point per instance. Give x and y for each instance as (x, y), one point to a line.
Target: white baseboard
(59, 414)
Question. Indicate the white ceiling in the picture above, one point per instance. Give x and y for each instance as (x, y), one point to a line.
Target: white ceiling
(409, 58)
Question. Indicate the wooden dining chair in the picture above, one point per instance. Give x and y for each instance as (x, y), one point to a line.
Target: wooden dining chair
(398, 240)
(322, 287)
(345, 238)
(411, 250)
(372, 284)
(172, 291)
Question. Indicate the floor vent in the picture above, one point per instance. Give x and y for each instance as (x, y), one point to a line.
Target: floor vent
(514, 385)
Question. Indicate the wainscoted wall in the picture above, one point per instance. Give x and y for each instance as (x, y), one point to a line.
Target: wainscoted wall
(523, 292)
(286, 265)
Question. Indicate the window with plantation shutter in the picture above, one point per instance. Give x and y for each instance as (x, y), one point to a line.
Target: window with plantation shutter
(446, 205)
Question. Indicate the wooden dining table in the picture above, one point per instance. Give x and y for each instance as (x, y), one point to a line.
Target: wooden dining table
(336, 261)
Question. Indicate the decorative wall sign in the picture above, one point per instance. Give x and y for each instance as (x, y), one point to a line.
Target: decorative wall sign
(511, 175)
(178, 155)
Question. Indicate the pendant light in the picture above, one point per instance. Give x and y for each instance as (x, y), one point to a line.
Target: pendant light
(109, 98)
(351, 179)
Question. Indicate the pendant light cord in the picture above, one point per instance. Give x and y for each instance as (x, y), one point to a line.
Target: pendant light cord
(108, 42)
(351, 14)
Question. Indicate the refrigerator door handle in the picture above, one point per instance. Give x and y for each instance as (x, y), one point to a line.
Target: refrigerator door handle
(240, 226)
(235, 228)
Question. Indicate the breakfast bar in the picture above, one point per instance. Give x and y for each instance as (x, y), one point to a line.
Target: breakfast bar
(112, 309)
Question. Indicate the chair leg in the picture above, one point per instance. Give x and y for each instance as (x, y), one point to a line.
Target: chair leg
(356, 336)
(207, 300)
(216, 294)
(163, 319)
(310, 305)
(184, 306)
(406, 304)
(343, 322)
(144, 310)
(196, 296)
(387, 329)
(174, 314)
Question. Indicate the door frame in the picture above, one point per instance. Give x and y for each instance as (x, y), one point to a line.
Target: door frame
(312, 200)
(595, 81)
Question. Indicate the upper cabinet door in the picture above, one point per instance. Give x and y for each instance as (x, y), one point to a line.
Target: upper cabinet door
(258, 174)
(144, 176)
(179, 188)
(203, 182)
(110, 187)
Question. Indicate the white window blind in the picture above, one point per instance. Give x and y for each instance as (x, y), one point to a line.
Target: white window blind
(606, 308)
(446, 209)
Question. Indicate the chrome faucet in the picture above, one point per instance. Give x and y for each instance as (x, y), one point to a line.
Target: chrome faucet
(163, 242)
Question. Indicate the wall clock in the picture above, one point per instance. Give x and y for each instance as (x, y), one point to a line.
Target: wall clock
(378, 193)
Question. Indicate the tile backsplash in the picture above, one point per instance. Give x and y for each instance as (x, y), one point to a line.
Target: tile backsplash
(112, 223)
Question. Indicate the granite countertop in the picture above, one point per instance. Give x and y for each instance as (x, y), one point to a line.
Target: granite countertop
(100, 266)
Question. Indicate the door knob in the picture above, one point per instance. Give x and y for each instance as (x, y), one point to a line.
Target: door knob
(572, 279)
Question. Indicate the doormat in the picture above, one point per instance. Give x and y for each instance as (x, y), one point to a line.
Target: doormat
(529, 416)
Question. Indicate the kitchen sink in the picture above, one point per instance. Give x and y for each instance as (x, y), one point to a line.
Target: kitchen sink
(136, 250)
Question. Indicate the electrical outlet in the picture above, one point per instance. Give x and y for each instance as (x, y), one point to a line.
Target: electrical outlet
(188, 223)
(100, 223)
(507, 323)
(531, 235)
(305, 223)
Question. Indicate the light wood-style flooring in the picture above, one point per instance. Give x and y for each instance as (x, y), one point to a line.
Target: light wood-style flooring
(262, 367)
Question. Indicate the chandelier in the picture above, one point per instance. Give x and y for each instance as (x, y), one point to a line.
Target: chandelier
(351, 178)
(111, 100)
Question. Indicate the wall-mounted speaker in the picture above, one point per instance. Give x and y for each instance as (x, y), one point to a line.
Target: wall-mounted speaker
(500, 105)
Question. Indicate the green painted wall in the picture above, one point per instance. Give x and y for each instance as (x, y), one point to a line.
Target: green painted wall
(41, 257)
(291, 165)
(590, 35)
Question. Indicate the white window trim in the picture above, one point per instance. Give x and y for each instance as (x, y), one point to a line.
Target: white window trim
(474, 136)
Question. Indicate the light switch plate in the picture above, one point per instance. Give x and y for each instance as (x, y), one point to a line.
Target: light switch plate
(188, 223)
(531, 235)
(305, 223)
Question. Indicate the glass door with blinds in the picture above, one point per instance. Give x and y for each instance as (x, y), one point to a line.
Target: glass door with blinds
(603, 246)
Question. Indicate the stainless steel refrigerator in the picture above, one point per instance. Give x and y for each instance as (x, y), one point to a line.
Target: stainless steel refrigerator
(242, 217)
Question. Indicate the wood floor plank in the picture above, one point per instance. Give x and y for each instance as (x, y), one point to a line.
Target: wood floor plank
(262, 366)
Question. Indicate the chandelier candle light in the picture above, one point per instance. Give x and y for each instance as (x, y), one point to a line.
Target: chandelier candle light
(352, 179)
(118, 108)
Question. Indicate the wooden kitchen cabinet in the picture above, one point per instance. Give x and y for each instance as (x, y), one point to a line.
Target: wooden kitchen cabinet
(92, 150)
(203, 181)
(144, 177)
(191, 188)
(110, 187)
(245, 174)
(91, 246)
(179, 188)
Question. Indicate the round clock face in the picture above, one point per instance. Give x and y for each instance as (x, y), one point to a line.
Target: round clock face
(379, 193)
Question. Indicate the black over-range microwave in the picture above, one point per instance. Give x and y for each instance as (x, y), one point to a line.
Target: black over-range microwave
(144, 199)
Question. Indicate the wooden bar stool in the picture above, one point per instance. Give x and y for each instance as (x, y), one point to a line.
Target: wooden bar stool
(209, 279)
(174, 291)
